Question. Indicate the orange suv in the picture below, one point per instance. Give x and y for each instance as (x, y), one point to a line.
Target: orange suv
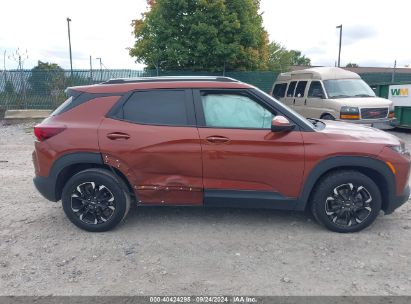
(210, 141)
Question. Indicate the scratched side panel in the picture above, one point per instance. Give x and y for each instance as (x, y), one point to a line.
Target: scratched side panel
(162, 163)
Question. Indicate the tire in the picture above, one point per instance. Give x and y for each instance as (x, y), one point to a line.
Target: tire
(95, 208)
(346, 201)
(327, 117)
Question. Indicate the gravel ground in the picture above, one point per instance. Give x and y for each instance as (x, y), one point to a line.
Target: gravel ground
(188, 251)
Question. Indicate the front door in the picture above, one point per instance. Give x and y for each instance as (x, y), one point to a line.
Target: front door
(154, 142)
(243, 160)
(316, 103)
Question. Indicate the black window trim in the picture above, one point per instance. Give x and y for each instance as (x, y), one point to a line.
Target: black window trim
(116, 112)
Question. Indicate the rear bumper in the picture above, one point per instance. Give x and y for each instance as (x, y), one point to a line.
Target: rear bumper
(398, 201)
(46, 187)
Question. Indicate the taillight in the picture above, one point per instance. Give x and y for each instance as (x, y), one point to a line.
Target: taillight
(43, 132)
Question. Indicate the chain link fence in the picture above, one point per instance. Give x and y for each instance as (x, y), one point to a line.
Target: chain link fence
(27, 89)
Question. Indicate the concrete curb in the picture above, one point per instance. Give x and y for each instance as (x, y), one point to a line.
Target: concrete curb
(19, 116)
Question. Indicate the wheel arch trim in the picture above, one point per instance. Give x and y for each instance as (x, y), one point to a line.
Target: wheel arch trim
(359, 162)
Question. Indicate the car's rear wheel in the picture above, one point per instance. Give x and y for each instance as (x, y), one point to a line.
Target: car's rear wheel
(95, 200)
(346, 201)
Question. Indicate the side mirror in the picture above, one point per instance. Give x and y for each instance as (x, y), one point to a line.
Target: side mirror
(281, 124)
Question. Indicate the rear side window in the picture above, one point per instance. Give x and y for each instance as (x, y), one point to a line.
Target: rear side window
(157, 107)
(291, 87)
(77, 98)
(279, 90)
(299, 91)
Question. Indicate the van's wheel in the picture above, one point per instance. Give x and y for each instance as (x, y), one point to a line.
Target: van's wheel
(346, 201)
(95, 200)
(327, 117)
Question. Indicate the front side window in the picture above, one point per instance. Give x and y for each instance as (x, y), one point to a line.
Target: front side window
(299, 91)
(343, 88)
(234, 111)
(158, 107)
(315, 90)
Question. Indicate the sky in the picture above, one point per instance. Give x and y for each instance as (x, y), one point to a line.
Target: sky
(375, 33)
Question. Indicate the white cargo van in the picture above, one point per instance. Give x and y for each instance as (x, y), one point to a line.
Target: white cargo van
(335, 94)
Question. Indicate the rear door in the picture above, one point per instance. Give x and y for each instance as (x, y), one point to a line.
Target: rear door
(243, 160)
(289, 97)
(300, 100)
(152, 139)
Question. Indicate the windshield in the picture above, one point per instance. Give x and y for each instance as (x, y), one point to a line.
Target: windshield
(303, 119)
(343, 88)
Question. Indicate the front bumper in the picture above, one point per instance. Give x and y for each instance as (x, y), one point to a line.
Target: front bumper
(382, 124)
(46, 187)
(398, 201)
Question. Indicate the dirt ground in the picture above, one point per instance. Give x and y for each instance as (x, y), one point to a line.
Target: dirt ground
(187, 251)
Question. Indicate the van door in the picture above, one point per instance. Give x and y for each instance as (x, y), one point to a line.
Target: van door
(316, 102)
(289, 98)
(300, 97)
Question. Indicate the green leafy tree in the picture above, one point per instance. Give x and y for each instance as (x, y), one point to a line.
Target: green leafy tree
(201, 35)
(46, 78)
(298, 59)
(352, 65)
(280, 59)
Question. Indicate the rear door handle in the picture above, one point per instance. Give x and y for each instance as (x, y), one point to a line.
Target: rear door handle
(217, 139)
(117, 136)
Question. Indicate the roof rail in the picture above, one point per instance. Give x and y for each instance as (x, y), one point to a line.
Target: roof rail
(170, 78)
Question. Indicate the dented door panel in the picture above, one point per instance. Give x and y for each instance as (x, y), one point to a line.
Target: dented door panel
(162, 163)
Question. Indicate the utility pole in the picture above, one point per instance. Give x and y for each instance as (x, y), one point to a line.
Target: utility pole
(91, 70)
(101, 69)
(393, 71)
(339, 47)
(4, 66)
(19, 58)
(69, 38)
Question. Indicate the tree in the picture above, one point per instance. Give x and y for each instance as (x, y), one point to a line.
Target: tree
(201, 35)
(352, 65)
(280, 59)
(46, 77)
(298, 59)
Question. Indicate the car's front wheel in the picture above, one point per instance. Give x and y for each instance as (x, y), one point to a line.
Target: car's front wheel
(95, 200)
(346, 201)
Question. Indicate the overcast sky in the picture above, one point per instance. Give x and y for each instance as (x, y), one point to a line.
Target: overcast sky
(374, 33)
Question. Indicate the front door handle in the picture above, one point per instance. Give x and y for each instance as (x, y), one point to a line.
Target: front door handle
(117, 136)
(217, 139)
